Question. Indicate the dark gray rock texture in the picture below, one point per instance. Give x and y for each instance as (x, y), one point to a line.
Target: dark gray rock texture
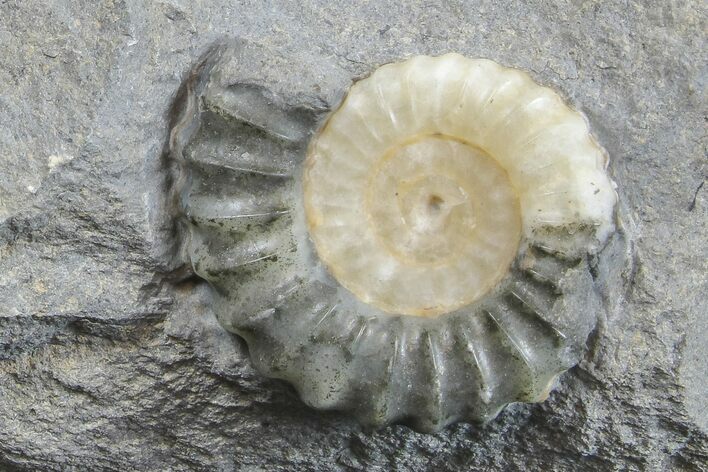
(111, 360)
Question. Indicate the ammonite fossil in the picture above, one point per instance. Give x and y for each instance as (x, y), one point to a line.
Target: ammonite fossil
(423, 257)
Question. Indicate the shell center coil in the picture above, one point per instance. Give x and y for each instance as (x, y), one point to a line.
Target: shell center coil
(431, 225)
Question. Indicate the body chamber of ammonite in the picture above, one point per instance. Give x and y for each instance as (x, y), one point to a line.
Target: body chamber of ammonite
(422, 258)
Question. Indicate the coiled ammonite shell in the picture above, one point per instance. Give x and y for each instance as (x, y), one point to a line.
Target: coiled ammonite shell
(424, 259)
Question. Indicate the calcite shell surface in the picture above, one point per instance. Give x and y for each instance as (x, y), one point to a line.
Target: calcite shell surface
(420, 254)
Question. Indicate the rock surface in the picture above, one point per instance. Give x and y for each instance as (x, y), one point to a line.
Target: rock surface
(107, 364)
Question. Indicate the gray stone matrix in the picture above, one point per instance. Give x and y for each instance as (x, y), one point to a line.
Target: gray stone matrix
(109, 362)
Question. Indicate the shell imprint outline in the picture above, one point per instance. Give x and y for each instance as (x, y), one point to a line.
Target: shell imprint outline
(424, 258)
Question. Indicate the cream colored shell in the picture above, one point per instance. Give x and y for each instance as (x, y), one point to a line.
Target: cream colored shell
(451, 188)
(419, 187)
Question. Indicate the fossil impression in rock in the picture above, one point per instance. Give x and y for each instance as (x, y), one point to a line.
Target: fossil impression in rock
(420, 254)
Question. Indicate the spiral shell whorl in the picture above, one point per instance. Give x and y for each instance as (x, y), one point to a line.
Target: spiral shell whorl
(479, 194)
(434, 153)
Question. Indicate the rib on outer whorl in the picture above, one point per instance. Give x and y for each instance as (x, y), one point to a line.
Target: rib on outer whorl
(427, 263)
